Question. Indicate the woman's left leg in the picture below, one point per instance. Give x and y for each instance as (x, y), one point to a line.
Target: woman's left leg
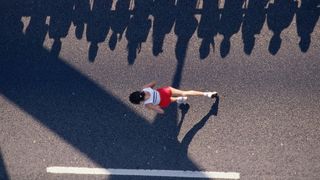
(178, 92)
(173, 99)
(179, 100)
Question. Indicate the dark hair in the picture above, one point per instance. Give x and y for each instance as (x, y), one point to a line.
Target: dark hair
(136, 97)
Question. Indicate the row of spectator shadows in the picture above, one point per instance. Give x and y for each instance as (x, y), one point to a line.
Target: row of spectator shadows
(28, 71)
(136, 23)
(95, 123)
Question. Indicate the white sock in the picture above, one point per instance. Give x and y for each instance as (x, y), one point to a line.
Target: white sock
(210, 94)
(182, 99)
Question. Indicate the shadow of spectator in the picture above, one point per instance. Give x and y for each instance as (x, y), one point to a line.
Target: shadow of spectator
(208, 26)
(60, 22)
(307, 18)
(80, 16)
(11, 26)
(230, 23)
(279, 17)
(98, 26)
(138, 28)
(119, 22)
(253, 21)
(185, 26)
(164, 12)
(37, 28)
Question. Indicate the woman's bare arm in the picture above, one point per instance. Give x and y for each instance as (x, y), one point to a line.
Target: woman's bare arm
(156, 108)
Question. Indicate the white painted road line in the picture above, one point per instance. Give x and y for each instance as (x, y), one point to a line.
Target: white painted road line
(142, 172)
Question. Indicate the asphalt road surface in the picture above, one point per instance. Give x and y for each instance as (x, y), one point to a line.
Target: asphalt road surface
(65, 81)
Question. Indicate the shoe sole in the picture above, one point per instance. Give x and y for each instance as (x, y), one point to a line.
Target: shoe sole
(214, 95)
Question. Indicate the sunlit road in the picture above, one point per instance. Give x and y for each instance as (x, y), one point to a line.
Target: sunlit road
(72, 112)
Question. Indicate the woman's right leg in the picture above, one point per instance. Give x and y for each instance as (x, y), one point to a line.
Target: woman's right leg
(176, 92)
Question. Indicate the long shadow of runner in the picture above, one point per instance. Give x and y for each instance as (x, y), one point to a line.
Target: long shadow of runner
(164, 13)
(170, 128)
(80, 111)
(193, 131)
(186, 24)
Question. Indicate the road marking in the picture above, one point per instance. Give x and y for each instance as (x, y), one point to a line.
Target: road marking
(143, 172)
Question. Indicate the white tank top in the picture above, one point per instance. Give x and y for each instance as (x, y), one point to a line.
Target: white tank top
(154, 96)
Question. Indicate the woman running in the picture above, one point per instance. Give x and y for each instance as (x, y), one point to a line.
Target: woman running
(157, 99)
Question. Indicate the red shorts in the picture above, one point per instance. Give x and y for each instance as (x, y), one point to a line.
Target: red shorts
(165, 94)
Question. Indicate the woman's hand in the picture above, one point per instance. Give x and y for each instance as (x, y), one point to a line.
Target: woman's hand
(151, 84)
